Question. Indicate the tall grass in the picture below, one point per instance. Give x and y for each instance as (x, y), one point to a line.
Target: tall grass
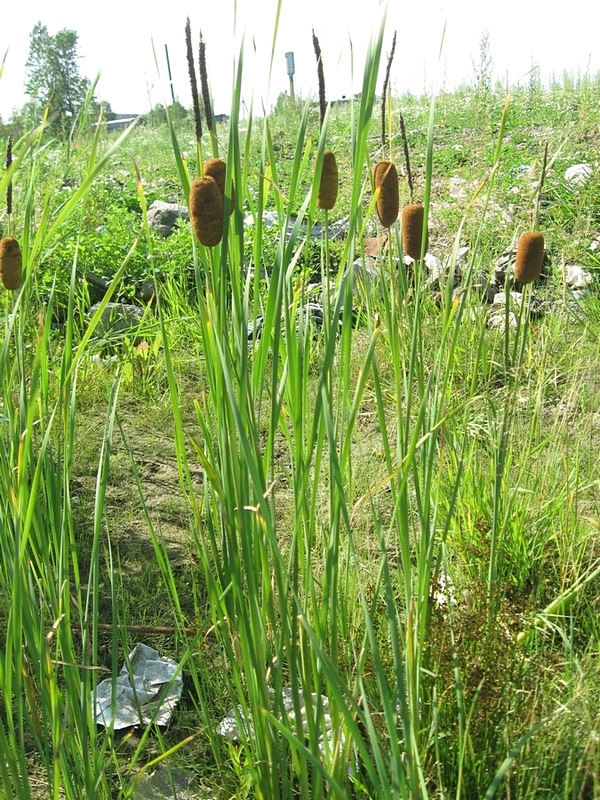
(343, 465)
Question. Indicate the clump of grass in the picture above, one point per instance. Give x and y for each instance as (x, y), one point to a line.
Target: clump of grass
(529, 258)
(385, 180)
(11, 263)
(206, 211)
(412, 231)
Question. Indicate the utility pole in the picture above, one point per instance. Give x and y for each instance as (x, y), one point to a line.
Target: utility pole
(289, 61)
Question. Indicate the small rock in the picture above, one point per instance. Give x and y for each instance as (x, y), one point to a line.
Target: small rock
(497, 321)
(576, 277)
(500, 299)
(270, 219)
(523, 171)
(146, 291)
(458, 188)
(163, 217)
(368, 272)
(166, 784)
(229, 728)
(117, 317)
(435, 267)
(578, 174)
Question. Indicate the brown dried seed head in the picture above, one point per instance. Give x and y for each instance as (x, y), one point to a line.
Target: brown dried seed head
(385, 178)
(216, 169)
(328, 188)
(412, 230)
(206, 211)
(11, 263)
(530, 255)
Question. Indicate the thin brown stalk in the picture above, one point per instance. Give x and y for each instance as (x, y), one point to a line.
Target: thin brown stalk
(193, 81)
(320, 76)
(407, 158)
(538, 194)
(386, 84)
(208, 114)
(8, 164)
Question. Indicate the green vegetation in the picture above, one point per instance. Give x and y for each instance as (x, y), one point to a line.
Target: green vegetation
(394, 514)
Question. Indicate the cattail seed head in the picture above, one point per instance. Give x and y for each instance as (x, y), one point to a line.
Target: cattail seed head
(208, 114)
(412, 230)
(328, 188)
(530, 256)
(385, 179)
(11, 263)
(320, 76)
(193, 81)
(8, 166)
(206, 211)
(216, 169)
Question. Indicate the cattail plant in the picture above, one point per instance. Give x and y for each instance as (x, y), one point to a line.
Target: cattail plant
(412, 230)
(529, 258)
(385, 181)
(11, 263)
(193, 81)
(206, 211)
(328, 187)
(216, 169)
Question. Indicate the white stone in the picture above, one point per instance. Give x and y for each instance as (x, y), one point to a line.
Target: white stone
(576, 277)
(578, 174)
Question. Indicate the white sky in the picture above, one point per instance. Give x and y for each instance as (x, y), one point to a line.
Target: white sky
(115, 39)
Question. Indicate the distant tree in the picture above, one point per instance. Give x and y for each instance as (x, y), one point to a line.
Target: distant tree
(53, 77)
(158, 115)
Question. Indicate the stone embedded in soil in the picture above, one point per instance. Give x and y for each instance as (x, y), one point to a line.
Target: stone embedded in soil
(162, 216)
(576, 277)
(167, 783)
(578, 175)
(117, 317)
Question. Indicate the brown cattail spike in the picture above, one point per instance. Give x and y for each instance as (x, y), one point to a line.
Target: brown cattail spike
(206, 211)
(412, 231)
(216, 169)
(320, 76)
(208, 115)
(328, 188)
(193, 82)
(530, 256)
(11, 263)
(8, 165)
(386, 83)
(385, 180)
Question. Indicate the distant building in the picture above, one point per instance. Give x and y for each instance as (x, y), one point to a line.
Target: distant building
(119, 121)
